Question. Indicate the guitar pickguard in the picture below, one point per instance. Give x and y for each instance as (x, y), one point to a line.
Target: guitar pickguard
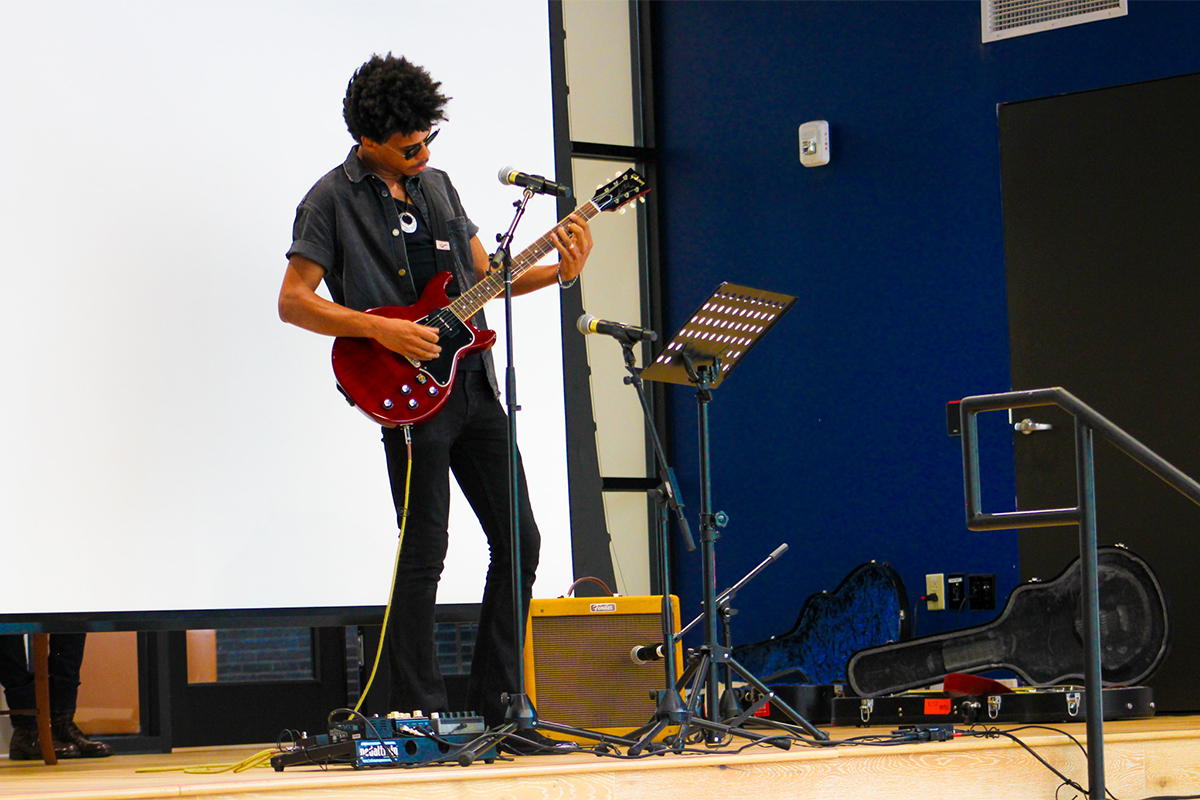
(453, 337)
(394, 390)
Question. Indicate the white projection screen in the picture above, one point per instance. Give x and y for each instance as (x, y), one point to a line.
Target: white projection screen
(166, 442)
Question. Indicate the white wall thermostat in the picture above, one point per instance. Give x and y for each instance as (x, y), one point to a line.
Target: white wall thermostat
(814, 143)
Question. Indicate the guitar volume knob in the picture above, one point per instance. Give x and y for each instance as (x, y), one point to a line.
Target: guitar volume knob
(433, 391)
(406, 389)
(387, 403)
(412, 403)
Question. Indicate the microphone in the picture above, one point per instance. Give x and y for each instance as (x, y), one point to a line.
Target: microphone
(629, 333)
(644, 654)
(511, 177)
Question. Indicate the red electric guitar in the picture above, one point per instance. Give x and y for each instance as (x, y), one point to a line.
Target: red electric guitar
(394, 390)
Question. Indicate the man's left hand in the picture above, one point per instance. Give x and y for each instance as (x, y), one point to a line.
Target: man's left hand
(573, 242)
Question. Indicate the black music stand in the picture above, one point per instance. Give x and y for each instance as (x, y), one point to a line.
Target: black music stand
(702, 354)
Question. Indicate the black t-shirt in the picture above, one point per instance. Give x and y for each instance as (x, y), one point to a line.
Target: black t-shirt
(422, 262)
(418, 246)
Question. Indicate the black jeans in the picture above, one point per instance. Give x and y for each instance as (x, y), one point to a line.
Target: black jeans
(468, 437)
(66, 656)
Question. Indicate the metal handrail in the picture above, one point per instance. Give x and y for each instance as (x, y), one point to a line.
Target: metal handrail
(1087, 422)
(970, 406)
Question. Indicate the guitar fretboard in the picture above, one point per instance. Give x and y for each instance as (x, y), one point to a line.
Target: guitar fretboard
(469, 303)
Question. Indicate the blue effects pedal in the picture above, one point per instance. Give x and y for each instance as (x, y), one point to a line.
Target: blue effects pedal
(397, 740)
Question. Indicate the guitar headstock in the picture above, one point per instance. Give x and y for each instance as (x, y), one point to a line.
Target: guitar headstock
(625, 188)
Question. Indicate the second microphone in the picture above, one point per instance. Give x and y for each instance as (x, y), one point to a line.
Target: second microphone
(630, 333)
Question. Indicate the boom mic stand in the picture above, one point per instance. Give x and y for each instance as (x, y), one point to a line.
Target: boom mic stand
(731, 592)
(702, 354)
(730, 710)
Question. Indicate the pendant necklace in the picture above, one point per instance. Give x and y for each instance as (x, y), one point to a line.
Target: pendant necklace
(408, 221)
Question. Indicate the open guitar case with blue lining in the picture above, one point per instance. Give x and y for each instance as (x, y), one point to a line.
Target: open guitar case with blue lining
(805, 664)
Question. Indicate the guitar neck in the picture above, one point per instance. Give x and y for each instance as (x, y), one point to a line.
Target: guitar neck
(469, 303)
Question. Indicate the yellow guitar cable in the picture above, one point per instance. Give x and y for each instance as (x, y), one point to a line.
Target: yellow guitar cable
(388, 611)
(260, 759)
(263, 757)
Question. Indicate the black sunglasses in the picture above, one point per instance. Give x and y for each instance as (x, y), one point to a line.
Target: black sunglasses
(414, 150)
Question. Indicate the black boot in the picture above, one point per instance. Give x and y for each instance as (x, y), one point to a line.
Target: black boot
(25, 745)
(64, 729)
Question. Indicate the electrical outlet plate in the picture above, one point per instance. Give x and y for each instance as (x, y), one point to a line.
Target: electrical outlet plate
(936, 585)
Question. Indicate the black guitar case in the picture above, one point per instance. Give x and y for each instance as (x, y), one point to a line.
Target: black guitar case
(868, 607)
(1060, 704)
(1038, 635)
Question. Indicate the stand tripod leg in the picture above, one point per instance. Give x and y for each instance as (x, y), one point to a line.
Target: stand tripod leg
(697, 690)
(768, 696)
(648, 735)
(496, 736)
(696, 670)
(689, 673)
(522, 716)
(586, 734)
(471, 752)
(670, 711)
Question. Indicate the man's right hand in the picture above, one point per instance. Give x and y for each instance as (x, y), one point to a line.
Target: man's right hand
(418, 342)
(299, 304)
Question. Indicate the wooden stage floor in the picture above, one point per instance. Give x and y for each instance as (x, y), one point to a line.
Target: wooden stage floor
(1144, 758)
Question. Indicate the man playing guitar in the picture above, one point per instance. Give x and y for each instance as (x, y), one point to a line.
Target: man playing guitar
(377, 229)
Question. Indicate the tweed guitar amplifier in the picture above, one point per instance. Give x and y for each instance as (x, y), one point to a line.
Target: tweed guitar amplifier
(578, 667)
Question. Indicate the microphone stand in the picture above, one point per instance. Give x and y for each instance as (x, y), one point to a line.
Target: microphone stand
(724, 597)
(728, 703)
(520, 714)
(671, 709)
(657, 651)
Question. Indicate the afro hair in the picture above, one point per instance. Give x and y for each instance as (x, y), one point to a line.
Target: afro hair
(389, 95)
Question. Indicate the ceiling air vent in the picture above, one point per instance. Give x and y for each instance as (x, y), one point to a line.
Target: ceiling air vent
(1006, 18)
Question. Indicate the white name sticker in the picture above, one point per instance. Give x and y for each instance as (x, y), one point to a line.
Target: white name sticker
(442, 245)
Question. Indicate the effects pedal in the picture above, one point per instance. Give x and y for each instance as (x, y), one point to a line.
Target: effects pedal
(397, 740)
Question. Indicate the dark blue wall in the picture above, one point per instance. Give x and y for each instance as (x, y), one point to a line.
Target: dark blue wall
(831, 434)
